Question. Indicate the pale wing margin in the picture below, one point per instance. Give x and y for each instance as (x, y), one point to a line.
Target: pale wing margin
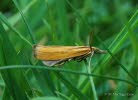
(54, 62)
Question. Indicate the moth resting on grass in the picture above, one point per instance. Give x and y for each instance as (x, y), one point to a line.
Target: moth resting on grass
(58, 55)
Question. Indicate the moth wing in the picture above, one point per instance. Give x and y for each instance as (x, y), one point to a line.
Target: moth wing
(51, 62)
(54, 62)
(59, 52)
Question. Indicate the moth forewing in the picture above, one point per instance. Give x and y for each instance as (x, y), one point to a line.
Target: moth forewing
(58, 55)
(62, 61)
(59, 52)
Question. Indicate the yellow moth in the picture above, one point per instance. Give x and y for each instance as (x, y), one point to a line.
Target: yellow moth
(58, 55)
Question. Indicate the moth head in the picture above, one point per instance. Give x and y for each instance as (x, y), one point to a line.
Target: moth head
(98, 51)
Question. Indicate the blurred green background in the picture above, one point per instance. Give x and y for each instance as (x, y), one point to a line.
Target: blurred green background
(114, 24)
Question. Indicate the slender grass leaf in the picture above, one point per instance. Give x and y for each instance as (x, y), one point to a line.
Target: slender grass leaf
(116, 44)
(62, 21)
(122, 87)
(13, 76)
(6, 95)
(47, 98)
(63, 96)
(121, 37)
(88, 65)
(16, 17)
(25, 21)
(44, 81)
(43, 77)
(72, 88)
(67, 71)
(4, 20)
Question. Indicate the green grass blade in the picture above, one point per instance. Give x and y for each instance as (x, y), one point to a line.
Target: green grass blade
(16, 17)
(118, 42)
(88, 66)
(66, 71)
(121, 37)
(1, 52)
(122, 87)
(44, 81)
(46, 98)
(63, 96)
(72, 88)
(115, 58)
(4, 20)
(6, 95)
(63, 21)
(13, 76)
(25, 21)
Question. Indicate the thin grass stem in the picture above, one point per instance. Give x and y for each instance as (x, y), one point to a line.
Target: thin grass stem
(67, 71)
(88, 66)
(25, 21)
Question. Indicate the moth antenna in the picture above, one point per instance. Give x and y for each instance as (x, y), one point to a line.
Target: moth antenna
(90, 41)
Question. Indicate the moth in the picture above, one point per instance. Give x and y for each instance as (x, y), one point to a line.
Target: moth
(59, 55)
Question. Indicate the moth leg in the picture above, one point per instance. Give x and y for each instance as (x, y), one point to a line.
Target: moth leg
(79, 59)
(62, 62)
(82, 57)
(89, 54)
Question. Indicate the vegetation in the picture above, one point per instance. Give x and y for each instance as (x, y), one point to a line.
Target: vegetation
(110, 76)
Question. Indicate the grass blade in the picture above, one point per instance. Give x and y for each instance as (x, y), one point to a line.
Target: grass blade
(25, 21)
(88, 66)
(10, 77)
(6, 95)
(47, 98)
(122, 87)
(4, 20)
(74, 90)
(67, 71)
